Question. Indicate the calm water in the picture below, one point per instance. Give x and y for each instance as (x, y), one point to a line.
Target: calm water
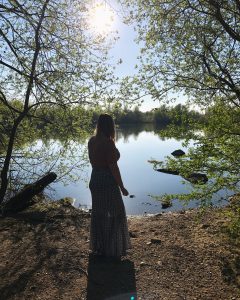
(137, 146)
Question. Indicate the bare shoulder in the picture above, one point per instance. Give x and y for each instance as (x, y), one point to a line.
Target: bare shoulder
(91, 140)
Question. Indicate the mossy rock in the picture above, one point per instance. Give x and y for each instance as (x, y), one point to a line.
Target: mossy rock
(166, 203)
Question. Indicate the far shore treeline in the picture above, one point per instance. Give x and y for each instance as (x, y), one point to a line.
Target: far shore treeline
(74, 120)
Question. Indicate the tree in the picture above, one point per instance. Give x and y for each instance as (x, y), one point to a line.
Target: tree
(215, 153)
(47, 57)
(192, 47)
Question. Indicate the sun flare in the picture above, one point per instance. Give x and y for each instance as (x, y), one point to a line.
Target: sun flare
(101, 18)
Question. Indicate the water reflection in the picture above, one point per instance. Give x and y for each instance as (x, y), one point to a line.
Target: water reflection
(133, 130)
(137, 145)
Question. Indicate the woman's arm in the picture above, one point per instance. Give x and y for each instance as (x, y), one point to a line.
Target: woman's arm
(113, 155)
(117, 175)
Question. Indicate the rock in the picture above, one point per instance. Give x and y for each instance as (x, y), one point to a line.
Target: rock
(52, 251)
(234, 200)
(204, 226)
(197, 178)
(142, 263)
(87, 215)
(136, 270)
(67, 201)
(178, 153)
(158, 214)
(168, 171)
(132, 234)
(149, 243)
(166, 203)
(156, 241)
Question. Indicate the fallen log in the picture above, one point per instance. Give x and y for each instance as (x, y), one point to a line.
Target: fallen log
(23, 199)
(194, 178)
(168, 171)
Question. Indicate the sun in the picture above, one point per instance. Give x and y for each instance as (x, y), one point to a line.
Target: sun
(101, 18)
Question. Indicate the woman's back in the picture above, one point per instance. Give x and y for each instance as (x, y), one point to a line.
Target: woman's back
(102, 151)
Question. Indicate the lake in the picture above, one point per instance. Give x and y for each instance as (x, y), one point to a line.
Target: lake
(137, 145)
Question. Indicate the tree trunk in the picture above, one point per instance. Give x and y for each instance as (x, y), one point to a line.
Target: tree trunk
(4, 172)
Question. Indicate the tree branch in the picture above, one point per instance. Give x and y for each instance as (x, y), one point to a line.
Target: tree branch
(34, 62)
(13, 68)
(225, 25)
(11, 47)
(4, 100)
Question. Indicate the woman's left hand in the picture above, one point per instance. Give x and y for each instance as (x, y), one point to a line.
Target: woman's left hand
(124, 191)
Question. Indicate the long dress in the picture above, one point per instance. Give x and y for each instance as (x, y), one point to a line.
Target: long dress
(109, 230)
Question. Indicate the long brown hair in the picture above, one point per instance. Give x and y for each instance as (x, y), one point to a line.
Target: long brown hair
(106, 126)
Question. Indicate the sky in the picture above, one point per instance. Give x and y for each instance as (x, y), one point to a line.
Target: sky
(125, 48)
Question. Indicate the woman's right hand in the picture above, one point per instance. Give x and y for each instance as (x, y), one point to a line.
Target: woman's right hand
(124, 191)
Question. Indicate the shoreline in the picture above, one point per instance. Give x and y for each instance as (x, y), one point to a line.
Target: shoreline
(169, 212)
(174, 255)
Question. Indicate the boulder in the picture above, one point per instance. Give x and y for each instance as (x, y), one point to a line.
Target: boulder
(178, 153)
(197, 178)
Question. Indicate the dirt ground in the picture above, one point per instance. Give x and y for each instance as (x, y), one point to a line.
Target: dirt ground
(44, 255)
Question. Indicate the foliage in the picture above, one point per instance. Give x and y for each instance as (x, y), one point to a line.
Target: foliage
(192, 48)
(178, 115)
(47, 57)
(165, 200)
(215, 154)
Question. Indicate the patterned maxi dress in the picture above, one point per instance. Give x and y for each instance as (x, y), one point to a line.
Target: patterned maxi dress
(109, 230)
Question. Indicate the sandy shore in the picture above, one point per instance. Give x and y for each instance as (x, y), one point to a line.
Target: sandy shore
(44, 255)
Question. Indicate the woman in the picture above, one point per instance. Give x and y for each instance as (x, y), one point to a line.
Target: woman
(109, 231)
